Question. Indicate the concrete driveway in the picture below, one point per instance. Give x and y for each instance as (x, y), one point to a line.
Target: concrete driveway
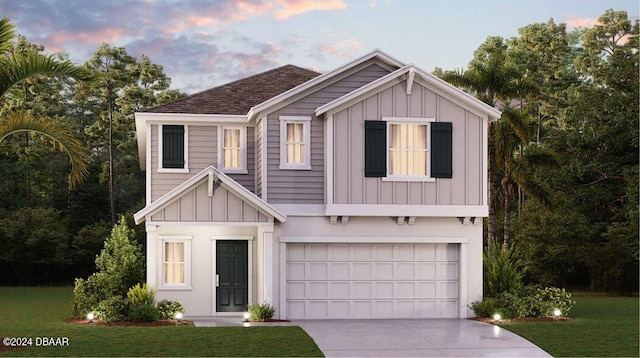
(416, 338)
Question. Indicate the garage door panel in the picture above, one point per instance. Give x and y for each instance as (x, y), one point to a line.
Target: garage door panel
(371, 280)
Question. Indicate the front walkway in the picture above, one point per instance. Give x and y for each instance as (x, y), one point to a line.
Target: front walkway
(402, 337)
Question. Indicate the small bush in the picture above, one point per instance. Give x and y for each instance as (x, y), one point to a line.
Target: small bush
(168, 309)
(113, 309)
(142, 304)
(528, 302)
(503, 271)
(261, 312)
(143, 313)
(87, 294)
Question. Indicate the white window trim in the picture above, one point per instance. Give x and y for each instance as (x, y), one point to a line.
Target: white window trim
(187, 263)
(243, 150)
(306, 134)
(410, 120)
(186, 151)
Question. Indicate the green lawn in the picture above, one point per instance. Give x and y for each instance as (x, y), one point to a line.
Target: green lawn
(601, 327)
(39, 312)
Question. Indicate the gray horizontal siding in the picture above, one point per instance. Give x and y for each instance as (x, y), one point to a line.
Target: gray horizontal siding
(307, 186)
(203, 151)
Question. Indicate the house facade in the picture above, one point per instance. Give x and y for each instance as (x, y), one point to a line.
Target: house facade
(357, 193)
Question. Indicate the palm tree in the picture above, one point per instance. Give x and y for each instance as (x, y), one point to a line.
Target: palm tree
(493, 80)
(515, 157)
(490, 79)
(15, 68)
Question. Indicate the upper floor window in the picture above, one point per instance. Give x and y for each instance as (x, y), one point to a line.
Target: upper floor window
(408, 149)
(295, 142)
(232, 156)
(173, 153)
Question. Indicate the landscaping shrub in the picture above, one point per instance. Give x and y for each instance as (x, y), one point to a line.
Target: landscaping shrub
(88, 293)
(142, 304)
(261, 312)
(502, 270)
(168, 309)
(112, 309)
(121, 260)
(530, 301)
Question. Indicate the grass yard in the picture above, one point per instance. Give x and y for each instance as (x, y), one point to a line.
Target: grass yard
(601, 327)
(39, 312)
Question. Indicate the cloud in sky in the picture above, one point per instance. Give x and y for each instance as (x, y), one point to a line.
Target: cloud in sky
(288, 8)
(582, 22)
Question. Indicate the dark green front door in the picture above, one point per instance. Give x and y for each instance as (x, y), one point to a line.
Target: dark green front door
(232, 270)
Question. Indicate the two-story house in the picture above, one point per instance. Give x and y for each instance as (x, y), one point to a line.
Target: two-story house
(357, 193)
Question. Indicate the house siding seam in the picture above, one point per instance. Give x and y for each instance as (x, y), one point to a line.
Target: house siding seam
(352, 187)
(307, 186)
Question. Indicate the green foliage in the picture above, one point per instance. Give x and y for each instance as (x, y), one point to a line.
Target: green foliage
(121, 260)
(614, 265)
(119, 263)
(142, 304)
(261, 312)
(168, 309)
(527, 302)
(502, 270)
(33, 247)
(112, 309)
(87, 294)
(141, 295)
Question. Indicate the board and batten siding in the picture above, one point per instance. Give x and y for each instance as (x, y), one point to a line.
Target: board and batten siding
(352, 187)
(307, 186)
(196, 206)
(203, 151)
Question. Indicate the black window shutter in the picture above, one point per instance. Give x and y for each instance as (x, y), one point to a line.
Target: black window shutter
(375, 149)
(441, 150)
(172, 146)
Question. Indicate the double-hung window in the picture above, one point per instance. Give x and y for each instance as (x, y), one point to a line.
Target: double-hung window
(173, 149)
(408, 149)
(295, 142)
(232, 151)
(176, 267)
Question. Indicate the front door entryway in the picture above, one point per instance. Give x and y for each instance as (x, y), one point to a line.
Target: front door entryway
(232, 275)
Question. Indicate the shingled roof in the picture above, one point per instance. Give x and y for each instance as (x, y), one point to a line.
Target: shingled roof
(239, 96)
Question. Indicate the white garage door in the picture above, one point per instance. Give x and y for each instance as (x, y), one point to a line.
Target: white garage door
(372, 280)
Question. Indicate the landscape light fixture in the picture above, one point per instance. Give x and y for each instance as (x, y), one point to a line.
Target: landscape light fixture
(497, 318)
(178, 315)
(557, 313)
(91, 316)
(246, 317)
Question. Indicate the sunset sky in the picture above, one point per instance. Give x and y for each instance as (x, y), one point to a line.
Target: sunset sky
(202, 44)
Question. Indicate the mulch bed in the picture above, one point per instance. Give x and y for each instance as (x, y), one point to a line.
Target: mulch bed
(97, 322)
(523, 319)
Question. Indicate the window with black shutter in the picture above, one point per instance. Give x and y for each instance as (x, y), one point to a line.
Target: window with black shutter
(441, 150)
(172, 147)
(375, 148)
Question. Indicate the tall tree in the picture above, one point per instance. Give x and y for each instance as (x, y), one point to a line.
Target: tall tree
(490, 78)
(124, 85)
(16, 67)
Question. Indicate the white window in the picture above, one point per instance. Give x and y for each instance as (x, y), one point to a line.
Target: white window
(176, 265)
(173, 148)
(408, 147)
(232, 153)
(295, 142)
